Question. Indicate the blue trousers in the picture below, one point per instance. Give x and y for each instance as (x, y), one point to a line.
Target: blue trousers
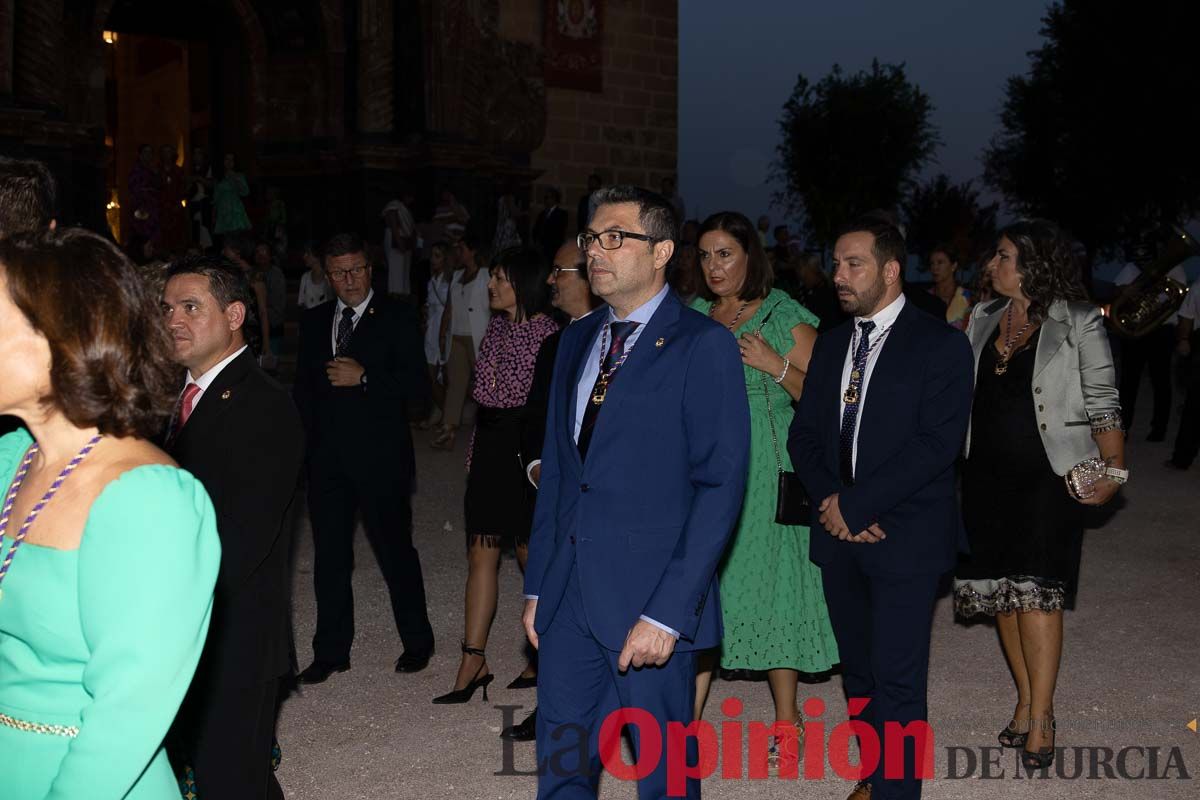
(882, 626)
(579, 686)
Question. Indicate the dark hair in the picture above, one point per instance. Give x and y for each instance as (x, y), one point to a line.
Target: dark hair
(27, 196)
(555, 193)
(343, 244)
(242, 243)
(759, 275)
(947, 250)
(1046, 264)
(526, 270)
(889, 242)
(226, 283)
(111, 355)
(472, 241)
(655, 212)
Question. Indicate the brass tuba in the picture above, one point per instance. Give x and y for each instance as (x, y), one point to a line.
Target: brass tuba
(1153, 297)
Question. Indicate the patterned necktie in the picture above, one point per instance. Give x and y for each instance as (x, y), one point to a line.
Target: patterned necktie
(858, 371)
(620, 332)
(345, 328)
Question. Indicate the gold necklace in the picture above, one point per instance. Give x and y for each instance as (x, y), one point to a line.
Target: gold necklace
(1009, 340)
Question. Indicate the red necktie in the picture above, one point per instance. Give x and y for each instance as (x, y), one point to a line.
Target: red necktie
(188, 402)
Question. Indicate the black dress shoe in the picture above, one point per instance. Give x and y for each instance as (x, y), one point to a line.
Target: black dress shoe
(525, 731)
(319, 671)
(413, 662)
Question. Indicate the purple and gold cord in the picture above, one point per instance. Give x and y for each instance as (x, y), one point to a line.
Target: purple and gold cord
(16, 486)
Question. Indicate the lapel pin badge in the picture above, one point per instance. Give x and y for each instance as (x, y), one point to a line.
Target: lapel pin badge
(225, 395)
(371, 310)
(660, 342)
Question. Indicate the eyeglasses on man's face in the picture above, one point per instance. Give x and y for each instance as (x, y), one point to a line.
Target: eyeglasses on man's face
(340, 275)
(558, 271)
(610, 240)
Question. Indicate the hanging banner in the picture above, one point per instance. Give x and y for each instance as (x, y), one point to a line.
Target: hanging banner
(573, 42)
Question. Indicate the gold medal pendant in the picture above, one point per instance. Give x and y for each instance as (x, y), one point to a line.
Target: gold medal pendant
(599, 393)
(1001, 367)
(850, 396)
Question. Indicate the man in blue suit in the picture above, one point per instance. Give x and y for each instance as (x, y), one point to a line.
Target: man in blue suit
(881, 421)
(642, 475)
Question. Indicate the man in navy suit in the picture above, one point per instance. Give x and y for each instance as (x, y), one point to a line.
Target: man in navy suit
(643, 470)
(881, 421)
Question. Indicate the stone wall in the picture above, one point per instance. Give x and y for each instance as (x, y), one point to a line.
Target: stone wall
(629, 132)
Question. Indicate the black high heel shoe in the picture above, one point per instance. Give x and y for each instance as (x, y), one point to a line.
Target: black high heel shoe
(1043, 757)
(467, 692)
(1010, 738)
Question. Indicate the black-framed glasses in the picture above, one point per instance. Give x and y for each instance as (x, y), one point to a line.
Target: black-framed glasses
(340, 275)
(557, 270)
(610, 240)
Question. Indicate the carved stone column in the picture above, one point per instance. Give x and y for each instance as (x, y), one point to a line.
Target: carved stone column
(38, 46)
(376, 97)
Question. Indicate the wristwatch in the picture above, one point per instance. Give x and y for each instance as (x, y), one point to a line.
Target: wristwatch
(1116, 474)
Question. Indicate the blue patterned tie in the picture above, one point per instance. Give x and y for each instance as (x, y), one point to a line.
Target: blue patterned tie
(620, 332)
(858, 371)
(345, 329)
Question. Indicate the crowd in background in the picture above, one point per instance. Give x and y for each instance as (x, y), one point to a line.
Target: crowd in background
(452, 329)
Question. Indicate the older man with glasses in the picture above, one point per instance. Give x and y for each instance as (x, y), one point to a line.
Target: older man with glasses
(361, 366)
(639, 491)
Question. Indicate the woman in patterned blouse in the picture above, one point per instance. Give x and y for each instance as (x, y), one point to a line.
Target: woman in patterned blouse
(499, 498)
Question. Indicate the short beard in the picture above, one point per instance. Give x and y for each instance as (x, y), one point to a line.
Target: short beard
(865, 304)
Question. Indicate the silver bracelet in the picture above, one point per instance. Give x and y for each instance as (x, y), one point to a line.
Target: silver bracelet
(782, 375)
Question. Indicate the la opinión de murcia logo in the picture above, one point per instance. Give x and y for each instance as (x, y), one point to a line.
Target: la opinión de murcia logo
(698, 750)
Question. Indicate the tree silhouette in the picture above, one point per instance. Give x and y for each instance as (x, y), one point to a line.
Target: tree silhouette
(1100, 135)
(851, 143)
(941, 212)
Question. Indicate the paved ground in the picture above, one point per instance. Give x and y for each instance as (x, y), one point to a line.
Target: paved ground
(1129, 676)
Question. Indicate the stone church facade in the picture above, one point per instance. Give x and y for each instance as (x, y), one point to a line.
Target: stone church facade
(335, 103)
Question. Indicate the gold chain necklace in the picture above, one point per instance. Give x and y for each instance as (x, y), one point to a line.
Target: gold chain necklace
(1009, 340)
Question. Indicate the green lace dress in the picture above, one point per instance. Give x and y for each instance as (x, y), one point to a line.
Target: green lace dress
(772, 601)
(99, 644)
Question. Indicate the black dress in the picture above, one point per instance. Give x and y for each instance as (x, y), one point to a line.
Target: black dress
(1023, 527)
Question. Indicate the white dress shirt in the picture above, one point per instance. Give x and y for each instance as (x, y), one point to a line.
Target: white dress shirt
(359, 310)
(205, 380)
(883, 319)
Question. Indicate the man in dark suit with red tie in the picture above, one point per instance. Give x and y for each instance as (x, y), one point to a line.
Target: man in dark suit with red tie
(880, 424)
(239, 433)
(360, 368)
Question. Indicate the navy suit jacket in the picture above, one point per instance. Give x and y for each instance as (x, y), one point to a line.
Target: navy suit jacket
(647, 516)
(910, 432)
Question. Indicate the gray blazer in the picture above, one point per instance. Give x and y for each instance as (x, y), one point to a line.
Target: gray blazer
(1074, 381)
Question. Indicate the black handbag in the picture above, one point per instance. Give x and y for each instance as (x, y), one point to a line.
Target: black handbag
(792, 504)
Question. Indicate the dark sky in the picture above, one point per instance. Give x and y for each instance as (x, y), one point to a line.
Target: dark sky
(738, 63)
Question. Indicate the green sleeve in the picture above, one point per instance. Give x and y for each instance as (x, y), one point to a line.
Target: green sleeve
(785, 316)
(148, 562)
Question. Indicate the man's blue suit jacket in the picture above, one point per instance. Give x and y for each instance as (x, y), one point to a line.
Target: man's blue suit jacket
(647, 516)
(911, 430)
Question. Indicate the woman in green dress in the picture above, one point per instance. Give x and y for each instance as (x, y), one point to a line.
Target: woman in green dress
(772, 602)
(108, 551)
(227, 200)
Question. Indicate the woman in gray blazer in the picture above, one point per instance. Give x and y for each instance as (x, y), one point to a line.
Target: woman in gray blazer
(1045, 400)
